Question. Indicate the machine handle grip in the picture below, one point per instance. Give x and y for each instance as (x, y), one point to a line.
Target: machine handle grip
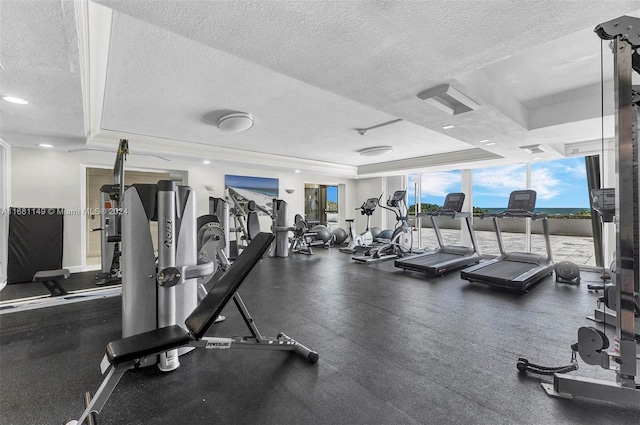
(199, 270)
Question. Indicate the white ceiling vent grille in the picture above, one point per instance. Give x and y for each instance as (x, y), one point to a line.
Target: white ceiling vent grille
(448, 99)
(533, 149)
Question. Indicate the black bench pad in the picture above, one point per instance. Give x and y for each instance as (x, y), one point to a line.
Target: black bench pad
(204, 315)
(51, 275)
(146, 344)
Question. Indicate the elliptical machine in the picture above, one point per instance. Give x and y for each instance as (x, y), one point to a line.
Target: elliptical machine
(364, 239)
(401, 241)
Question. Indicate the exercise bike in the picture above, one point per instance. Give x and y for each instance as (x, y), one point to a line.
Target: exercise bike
(401, 240)
(364, 239)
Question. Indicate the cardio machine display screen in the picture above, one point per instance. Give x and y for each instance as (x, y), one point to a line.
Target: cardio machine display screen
(398, 195)
(453, 202)
(371, 203)
(524, 200)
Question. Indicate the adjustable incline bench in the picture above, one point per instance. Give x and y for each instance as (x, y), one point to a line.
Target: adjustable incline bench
(128, 353)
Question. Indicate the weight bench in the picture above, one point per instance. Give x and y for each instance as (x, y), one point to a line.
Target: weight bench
(128, 353)
(50, 279)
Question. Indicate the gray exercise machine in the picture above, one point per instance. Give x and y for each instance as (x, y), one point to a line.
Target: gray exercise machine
(445, 258)
(592, 343)
(364, 239)
(603, 202)
(110, 199)
(162, 293)
(247, 224)
(400, 243)
(129, 353)
(220, 208)
(514, 270)
(303, 239)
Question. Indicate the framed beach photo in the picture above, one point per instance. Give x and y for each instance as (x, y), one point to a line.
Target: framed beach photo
(261, 190)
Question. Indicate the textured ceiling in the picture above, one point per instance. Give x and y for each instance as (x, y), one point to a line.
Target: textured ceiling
(311, 73)
(39, 54)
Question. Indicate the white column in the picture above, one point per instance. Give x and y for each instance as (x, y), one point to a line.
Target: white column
(527, 231)
(466, 186)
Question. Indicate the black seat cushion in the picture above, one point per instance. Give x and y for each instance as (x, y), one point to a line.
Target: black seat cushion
(211, 306)
(146, 344)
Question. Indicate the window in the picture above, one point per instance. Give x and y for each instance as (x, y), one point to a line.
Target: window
(493, 185)
(561, 186)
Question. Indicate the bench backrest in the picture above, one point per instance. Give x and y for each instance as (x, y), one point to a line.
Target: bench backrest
(201, 319)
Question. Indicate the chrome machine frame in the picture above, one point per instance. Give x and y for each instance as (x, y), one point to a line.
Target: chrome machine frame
(625, 33)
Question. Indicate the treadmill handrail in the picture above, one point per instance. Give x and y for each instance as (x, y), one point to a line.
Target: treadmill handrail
(516, 214)
(445, 213)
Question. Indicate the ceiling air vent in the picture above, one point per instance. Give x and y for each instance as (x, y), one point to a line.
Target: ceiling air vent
(533, 149)
(448, 99)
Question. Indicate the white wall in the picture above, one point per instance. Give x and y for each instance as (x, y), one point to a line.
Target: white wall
(368, 188)
(5, 177)
(45, 178)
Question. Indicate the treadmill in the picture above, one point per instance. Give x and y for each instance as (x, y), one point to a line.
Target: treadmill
(514, 270)
(446, 258)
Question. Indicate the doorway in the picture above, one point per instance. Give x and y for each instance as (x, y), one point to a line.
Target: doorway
(321, 203)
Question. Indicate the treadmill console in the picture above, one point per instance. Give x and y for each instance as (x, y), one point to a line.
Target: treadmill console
(523, 200)
(604, 201)
(453, 202)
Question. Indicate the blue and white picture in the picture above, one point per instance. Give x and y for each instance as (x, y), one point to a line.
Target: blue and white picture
(261, 190)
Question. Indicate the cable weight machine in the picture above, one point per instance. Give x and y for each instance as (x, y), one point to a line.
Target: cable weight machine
(592, 343)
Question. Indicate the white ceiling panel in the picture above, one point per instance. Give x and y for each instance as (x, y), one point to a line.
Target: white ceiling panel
(311, 73)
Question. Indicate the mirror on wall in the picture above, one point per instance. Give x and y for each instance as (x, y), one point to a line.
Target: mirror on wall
(96, 178)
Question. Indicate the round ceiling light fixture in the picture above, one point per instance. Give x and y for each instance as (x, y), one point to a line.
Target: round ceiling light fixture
(235, 122)
(376, 151)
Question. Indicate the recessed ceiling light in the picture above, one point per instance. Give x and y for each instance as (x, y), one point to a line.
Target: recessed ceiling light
(491, 144)
(206, 161)
(375, 151)
(297, 171)
(16, 100)
(483, 141)
(448, 126)
(45, 145)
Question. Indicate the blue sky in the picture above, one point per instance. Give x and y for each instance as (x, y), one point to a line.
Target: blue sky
(560, 183)
(332, 193)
